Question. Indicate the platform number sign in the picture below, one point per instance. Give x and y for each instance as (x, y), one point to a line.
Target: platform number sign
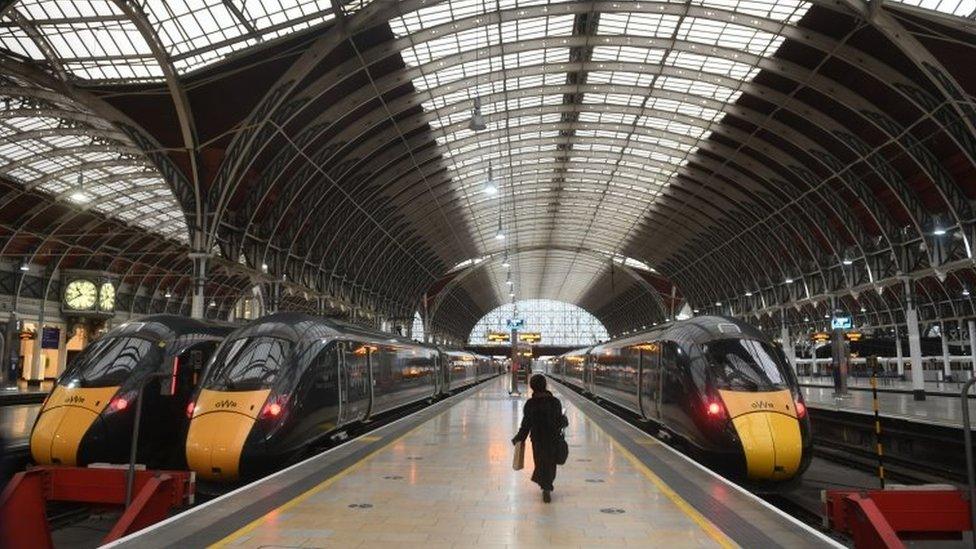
(516, 323)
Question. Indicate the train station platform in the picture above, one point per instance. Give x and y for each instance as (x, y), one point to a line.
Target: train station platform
(15, 424)
(940, 410)
(443, 478)
(888, 385)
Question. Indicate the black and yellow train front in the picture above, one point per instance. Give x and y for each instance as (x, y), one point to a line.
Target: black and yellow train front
(88, 416)
(241, 417)
(751, 413)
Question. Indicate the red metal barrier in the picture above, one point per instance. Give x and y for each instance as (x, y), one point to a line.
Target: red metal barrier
(23, 522)
(882, 518)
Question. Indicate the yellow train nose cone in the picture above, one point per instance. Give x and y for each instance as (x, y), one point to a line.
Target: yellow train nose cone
(769, 431)
(67, 416)
(772, 445)
(219, 428)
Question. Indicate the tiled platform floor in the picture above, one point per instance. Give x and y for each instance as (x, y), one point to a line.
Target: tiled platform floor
(450, 483)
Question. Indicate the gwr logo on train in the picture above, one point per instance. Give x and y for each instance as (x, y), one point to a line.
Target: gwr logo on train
(762, 405)
(226, 404)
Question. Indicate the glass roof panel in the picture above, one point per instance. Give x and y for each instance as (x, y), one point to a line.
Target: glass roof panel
(95, 40)
(88, 164)
(962, 8)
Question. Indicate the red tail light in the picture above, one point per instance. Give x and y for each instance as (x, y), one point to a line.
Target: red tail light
(801, 409)
(190, 408)
(119, 403)
(715, 410)
(271, 409)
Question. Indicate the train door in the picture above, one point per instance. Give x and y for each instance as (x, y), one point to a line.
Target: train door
(354, 381)
(650, 380)
(588, 372)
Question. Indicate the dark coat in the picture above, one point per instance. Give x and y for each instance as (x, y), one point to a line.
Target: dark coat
(543, 418)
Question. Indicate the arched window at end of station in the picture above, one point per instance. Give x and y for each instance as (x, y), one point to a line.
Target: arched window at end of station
(558, 323)
(248, 307)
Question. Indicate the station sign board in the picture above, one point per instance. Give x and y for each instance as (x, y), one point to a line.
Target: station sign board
(842, 322)
(497, 337)
(821, 337)
(530, 337)
(853, 336)
(515, 323)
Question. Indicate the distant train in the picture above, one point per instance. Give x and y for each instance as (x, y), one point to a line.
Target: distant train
(715, 383)
(286, 381)
(89, 415)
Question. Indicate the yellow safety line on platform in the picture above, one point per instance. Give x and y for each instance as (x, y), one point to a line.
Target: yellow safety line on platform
(324, 484)
(708, 526)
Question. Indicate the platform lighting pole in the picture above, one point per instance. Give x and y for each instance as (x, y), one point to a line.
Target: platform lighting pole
(914, 344)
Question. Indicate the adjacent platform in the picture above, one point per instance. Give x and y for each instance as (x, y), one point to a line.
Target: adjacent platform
(888, 385)
(16, 423)
(443, 478)
(938, 410)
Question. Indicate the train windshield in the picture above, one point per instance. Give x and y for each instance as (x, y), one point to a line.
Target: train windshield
(249, 364)
(744, 365)
(110, 361)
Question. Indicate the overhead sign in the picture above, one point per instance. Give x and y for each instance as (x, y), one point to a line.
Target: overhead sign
(853, 336)
(515, 323)
(821, 337)
(496, 337)
(530, 337)
(842, 322)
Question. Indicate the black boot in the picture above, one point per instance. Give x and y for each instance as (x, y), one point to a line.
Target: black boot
(546, 497)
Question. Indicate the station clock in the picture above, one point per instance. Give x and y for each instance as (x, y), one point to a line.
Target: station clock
(88, 293)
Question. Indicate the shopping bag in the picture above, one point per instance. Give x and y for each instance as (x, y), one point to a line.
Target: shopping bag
(518, 462)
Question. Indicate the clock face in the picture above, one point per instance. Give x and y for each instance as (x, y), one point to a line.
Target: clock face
(106, 297)
(80, 295)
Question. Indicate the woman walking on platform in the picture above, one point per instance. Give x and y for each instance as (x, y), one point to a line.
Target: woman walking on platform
(543, 418)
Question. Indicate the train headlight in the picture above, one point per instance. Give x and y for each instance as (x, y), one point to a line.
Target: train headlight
(120, 403)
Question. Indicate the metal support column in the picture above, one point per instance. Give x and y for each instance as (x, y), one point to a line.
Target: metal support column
(915, 352)
(788, 349)
(36, 369)
(946, 365)
(899, 356)
(972, 347)
(838, 353)
(197, 300)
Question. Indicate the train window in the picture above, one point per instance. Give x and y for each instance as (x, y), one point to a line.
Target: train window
(109, 361)
(743, 365)
(249, 364)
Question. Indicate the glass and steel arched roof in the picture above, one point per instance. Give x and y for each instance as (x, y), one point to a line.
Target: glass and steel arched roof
(591, 111)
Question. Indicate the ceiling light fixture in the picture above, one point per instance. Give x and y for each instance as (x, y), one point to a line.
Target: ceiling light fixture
(848, 262)
(477, 123)
(168, 294)
(490, 188)
(24, 267)
(939, 231)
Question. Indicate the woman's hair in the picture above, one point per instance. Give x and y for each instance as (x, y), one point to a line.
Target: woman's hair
(538, 382)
